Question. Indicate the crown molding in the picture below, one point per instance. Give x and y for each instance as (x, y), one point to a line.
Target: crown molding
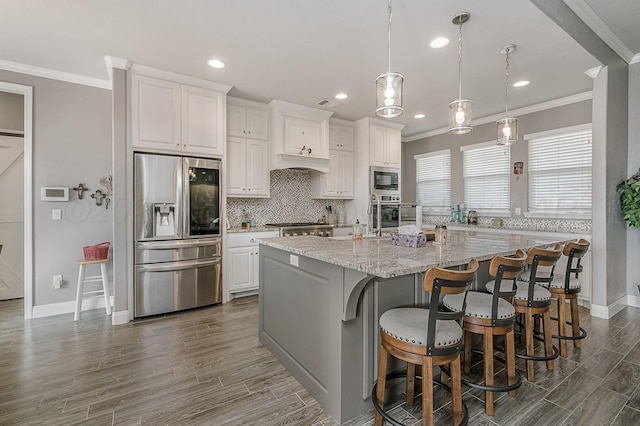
(602, 30)
(54, 74)
(514, 113)
(593, 72)
(635, 59)
(185, 79)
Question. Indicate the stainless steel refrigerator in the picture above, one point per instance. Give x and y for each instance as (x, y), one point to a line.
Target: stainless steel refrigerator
(178, 246)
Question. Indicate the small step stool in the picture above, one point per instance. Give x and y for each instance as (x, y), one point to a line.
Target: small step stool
(82, 280)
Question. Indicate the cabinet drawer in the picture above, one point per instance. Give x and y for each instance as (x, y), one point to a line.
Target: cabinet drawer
(245, 239)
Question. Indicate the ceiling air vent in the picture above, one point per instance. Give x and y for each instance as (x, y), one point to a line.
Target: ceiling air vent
(325, 103)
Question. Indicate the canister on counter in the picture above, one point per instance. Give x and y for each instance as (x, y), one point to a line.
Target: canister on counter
(440, 235)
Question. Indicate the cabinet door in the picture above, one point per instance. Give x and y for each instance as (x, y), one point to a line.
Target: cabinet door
(236, 166)
(378, 150)
(257, 123)
(236, 121)
(202, 125)
(257, 167)
(345, 183)
(394, 148)
(300, 133)
(241, 268)
(340, 137)
(333, 177)
(155, 113)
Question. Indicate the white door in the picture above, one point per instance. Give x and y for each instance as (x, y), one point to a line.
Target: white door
(11, 217)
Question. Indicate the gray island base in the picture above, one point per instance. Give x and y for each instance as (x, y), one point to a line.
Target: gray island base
(321, 298)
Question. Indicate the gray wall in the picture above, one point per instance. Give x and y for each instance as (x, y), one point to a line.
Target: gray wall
(633, 234)
(11, 108)
(71, 144)
(564, 116)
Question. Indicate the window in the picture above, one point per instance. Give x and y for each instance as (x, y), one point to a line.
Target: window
(486, 174)
(433, 180)
(560, 172)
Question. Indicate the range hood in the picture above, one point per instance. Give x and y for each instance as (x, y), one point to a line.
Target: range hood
(299, 137)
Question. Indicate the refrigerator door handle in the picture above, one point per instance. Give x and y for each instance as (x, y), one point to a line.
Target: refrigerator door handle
(172, 245)
(178, 266)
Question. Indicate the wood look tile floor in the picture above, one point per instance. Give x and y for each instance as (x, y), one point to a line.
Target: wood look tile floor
(206, 367)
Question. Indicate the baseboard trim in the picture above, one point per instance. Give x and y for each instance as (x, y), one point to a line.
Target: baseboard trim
(607, 312)
(633, 301)
(51, 309)
(120, 317)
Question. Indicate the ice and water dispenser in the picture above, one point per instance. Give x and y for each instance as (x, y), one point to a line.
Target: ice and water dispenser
(164, 223)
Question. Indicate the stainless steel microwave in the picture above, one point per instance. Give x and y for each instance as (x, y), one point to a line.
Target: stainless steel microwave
(385, 181)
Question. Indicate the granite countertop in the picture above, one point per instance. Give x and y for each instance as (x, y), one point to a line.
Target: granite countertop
(381, 258)
(254, 229)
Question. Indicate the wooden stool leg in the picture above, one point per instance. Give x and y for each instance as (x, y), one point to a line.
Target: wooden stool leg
(548, 340)
(411, 382)
(575, 320)
(467, 352)
(382, 378)
(511, 360)
(427, 388)
(105, 287)
(79, 292)
(528, 326)
(562, 324)
(488, 369)
(456, 392)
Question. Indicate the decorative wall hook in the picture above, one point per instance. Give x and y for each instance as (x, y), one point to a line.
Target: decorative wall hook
(107, 182)
(80, 189)
(98, 196)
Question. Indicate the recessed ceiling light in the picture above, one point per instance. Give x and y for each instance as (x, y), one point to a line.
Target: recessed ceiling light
(216, 63)
(342, 96)
(439, 42)
(521, 83)
(418, 116)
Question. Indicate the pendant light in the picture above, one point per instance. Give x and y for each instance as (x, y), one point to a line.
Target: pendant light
(389, 85)
(507, 128)
(460, 111)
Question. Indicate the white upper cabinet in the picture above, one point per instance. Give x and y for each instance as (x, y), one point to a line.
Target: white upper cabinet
(299, 136)
(247, 120)
(385, 149)
(170, 116)
(338, 182)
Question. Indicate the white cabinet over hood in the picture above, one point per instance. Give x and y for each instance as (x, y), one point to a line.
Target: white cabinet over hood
(300, 137)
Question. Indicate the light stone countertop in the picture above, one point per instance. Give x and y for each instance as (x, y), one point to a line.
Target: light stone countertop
(381, 258)
(254, 229)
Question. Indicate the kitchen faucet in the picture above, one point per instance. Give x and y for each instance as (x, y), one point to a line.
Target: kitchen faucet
(375, 198)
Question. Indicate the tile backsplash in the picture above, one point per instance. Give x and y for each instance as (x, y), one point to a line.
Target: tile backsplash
(290, 201)
(578, 226)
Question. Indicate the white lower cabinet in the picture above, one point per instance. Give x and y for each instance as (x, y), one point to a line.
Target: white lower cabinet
(242, 264)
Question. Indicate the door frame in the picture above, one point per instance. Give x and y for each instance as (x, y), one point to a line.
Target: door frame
(27, 93)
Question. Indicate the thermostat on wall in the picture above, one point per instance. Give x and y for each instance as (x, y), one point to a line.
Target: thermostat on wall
(54, 193)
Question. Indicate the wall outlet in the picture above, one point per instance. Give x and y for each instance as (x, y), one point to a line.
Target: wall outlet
(57, 281)
(518, 211)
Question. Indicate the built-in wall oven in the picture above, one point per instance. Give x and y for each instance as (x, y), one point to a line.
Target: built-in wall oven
(385, 182)
(394, 215)
(178, 248)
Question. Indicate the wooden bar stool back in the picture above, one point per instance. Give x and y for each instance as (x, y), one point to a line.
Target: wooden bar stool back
(566, 287)
(491, 315)
(425, 337)
(80, 293)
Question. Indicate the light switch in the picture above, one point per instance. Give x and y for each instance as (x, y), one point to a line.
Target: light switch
(56, 214)
(518, 211)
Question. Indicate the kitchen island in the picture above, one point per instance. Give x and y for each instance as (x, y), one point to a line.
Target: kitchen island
(321, 298)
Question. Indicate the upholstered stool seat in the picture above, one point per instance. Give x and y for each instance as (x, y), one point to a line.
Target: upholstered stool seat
(540, 293)
(559, 282)
(491, 315)
(426, 337)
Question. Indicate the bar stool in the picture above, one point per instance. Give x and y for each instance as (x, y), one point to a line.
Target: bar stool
(96, 278)
(492, 315)
(566, 287)
(534, 301)
(425, 337)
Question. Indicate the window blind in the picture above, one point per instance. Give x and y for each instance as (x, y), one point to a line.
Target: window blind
(433, 180)
(486, 174)
(560, 169)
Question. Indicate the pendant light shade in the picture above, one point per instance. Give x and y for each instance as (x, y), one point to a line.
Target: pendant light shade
(460, 110)
(389, 85)
(507, 128)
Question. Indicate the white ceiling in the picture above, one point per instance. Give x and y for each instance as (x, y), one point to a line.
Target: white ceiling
(304, 50)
